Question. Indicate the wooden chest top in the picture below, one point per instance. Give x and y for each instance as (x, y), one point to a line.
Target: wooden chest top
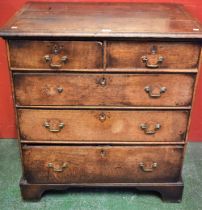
(148, 20)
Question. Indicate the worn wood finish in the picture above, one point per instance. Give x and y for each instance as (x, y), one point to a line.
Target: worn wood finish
(107, 107)
(79, 55)
(148, 20)
(98, 125)
(117, 143)
(129, 54)
(103, 94)
(104, 89)
(88, 164)
(169, 192)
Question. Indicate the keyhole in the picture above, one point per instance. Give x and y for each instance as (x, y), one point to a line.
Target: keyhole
(102, 153)
(154, 49)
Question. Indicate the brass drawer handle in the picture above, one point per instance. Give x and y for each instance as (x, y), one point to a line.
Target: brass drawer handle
(149, 61)
(145, 128)
(103, 82)
(150, 91)
(148, 168)
(54, 59)
(49, 90)
(54, 126)
(49, 59)
(152, 60)
(57, 169)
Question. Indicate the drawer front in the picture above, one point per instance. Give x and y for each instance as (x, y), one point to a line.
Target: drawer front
(104, 89)
(89, 164)
(152, 55)
(102, 125)
(55, 55)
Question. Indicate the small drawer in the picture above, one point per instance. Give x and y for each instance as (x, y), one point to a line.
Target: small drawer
(87, 164)
(102, 125)
(104, 89)
(152, 55)
(55, 55)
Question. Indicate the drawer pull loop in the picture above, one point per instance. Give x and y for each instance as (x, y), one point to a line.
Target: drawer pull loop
(102, 117)
(49, 59)
(145, 127)
(54, 127)
(152, 60)
(57, 169)
(149, 90)
(147, 168)
(54, 59)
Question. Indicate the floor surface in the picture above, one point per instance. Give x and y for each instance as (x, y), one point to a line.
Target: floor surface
(97, 199)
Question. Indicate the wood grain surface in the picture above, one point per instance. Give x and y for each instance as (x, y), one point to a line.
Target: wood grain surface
(102, 126)
(175, 55)
(104, 89)
(101, 20)
(89, 164)
(79, 55)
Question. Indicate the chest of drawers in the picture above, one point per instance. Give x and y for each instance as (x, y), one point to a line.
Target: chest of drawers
(103, 94)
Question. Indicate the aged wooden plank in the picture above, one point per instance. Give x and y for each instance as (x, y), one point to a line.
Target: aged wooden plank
(102, 164)
(102, 126)
(55, 55)
(104, 89)
(119, 143)
(103, 19)
(165, 55)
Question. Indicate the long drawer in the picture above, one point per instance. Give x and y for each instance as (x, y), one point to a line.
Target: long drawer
(104, 89)
(55, 55)
(102, 125)
(131, 55)
(87, 164)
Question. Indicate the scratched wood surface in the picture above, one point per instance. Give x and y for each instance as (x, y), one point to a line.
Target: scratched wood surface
(175, 55)
(89, 164)
(79, 55)
(135, 67)
(102, 126)
(104, 89)
(102, 19)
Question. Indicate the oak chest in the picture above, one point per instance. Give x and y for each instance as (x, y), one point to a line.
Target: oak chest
(103, 94)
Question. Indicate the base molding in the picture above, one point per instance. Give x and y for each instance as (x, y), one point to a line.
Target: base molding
(170, 192)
